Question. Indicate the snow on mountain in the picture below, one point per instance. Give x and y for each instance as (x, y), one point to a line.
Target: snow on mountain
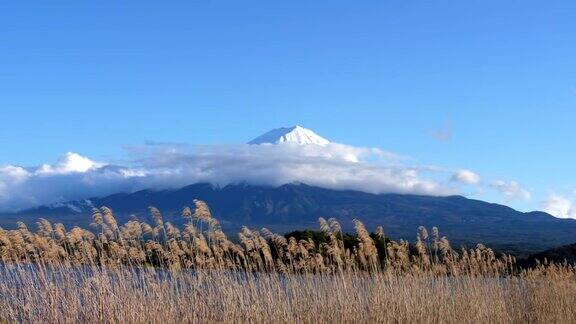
(74, 206)
(296, 135)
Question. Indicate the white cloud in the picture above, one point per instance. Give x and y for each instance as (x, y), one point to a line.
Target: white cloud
(162, 166)
(466, 177)
(333, 165)
(511, 190)
(559, 206)
(70, 163)
(13, 173)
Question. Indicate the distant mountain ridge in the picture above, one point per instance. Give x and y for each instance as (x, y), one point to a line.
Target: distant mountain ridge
(298, 206)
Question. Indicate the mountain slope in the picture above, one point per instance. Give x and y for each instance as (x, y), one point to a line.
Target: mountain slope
(297, 206)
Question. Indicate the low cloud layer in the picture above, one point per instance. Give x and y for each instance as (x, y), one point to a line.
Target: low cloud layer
(163, 166)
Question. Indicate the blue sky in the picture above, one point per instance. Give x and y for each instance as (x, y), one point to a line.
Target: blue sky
(496, 79)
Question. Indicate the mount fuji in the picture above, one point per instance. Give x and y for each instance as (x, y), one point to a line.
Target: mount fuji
(293, 135)
(297, 205)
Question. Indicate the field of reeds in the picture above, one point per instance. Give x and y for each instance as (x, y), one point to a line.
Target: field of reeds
(139, 272)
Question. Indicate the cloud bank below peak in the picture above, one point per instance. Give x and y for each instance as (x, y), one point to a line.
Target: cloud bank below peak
(290, 159)
(330, 165)
(162, 166)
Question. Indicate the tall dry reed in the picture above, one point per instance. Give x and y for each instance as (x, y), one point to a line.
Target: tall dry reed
(137, 272)
(201, 244)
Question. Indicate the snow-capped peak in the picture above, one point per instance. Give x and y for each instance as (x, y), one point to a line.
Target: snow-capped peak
(296, 135)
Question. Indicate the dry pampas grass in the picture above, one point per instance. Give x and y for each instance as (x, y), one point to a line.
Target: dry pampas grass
(67, 294)
(139, 272)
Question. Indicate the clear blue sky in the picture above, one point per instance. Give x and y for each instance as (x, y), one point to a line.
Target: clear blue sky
(499, 75)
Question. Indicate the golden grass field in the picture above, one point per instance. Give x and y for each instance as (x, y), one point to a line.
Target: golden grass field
(138, 273)
(128, 295)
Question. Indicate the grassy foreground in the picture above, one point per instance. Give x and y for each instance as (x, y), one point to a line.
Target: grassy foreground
(138, 272)
(129, 295)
